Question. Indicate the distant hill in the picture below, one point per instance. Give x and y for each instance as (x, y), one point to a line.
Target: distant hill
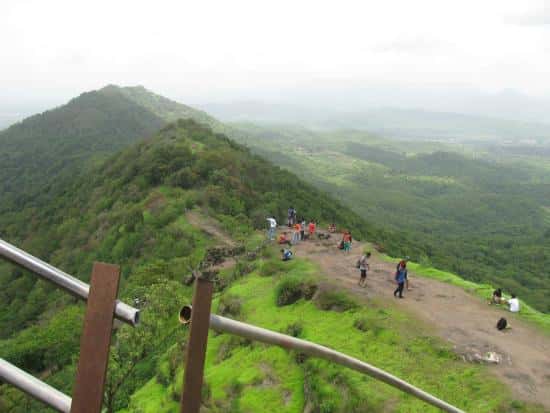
(48, 148)
(388, 122)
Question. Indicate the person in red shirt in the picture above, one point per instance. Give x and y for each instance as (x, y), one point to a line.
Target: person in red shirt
(347, 241)
(311, 228)
(283, 239)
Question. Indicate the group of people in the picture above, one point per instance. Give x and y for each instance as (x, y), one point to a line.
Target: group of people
(302, 231)
(299, 229)
(513, 302)
(400, 276)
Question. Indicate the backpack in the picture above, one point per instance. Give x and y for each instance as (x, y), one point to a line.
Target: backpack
(501, 324)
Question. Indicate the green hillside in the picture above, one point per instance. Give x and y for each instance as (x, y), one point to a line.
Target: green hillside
(46, 150)
(450, 207)
(242, 376)
(130, 211)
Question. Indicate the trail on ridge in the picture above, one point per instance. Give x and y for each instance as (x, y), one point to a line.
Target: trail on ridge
(466, 321)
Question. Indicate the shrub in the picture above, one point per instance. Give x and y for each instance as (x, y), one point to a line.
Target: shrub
(309, 288)
(267, 253)
(271, 267)
(335, 301)
(226, 347)
(230, 305)
(295, 329)
(291, 289)
(361, 324)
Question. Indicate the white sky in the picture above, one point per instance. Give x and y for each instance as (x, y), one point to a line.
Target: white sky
(217, 50)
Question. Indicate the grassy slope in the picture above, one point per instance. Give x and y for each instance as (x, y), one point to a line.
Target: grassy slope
(245, 377)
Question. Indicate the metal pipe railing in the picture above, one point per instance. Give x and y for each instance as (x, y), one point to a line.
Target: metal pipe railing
(227, 325)
(72, 285)
(34, 387)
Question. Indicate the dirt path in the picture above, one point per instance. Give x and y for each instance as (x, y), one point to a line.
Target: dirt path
(210, 227)
(460, 318)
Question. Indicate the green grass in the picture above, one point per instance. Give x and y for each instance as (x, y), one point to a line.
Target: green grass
(151, 398)
(252, 377)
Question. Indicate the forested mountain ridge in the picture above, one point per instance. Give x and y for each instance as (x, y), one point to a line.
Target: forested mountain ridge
(130, 210)
(44, 150)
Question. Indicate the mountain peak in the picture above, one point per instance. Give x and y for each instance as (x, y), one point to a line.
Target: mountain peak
(88, 128)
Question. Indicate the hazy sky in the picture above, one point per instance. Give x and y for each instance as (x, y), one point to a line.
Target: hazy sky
(198, 51)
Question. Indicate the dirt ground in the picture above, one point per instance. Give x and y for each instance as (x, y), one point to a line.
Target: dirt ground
(464, 320)
(210, 227)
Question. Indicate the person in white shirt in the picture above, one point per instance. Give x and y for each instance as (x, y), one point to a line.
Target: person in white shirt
(272, 227)
(513, 304)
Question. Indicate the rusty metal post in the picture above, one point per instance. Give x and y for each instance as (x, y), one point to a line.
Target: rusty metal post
(196, 347)
(96, 339)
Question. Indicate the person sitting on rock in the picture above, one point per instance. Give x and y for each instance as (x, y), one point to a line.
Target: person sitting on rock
(283, 239)
(286, 254)
(497, 296)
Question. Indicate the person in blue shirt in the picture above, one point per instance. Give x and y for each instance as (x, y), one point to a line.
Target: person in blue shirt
(400, 278)
(286, 254)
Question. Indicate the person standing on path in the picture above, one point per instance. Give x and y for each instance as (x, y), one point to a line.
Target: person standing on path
(400, 278)
(291, 217)
(272, 228)
(404, 263)
(296, 234)
(363, 268)
(303, 229)
(311, 228)
(347, 241)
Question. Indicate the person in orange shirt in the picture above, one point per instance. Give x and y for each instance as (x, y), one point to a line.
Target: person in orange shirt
(283, 239)
(311, 228)
(296, 234)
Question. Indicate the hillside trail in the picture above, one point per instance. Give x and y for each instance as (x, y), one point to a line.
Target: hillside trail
(210, 227)
(213, 230)
(466, 321)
